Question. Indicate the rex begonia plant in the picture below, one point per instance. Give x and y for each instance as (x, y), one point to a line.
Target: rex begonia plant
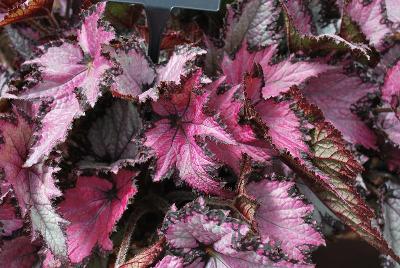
(263, 131)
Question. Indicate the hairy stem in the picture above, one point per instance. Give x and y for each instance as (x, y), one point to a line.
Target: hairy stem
(148, 204)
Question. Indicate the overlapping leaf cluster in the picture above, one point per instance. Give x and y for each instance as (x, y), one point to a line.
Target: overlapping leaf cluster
(237, 150)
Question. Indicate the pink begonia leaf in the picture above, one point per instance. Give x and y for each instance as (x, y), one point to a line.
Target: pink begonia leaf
(243, 62)
(170, 262)
(341, 91)
(54, 127)
(312, 44)
(228, 106)
(369, 17)
(19, 252)
(219, 238)
(390, 205)
(136, 71)
(330, 169)
(50, 261)
(179, 65)
(16, 133)
(281, 76)
(227, 256)
(390, 124)
(190, 231)
(281, 216)
(278, 78)
(253, 22)
(93, 207)
(392, 8)
(69, 73)
(391, 86)
(9, 221)
(114, 139)
(174, 136)
(300, 15)
(283, 124)
(388, 59)
(34, 186)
